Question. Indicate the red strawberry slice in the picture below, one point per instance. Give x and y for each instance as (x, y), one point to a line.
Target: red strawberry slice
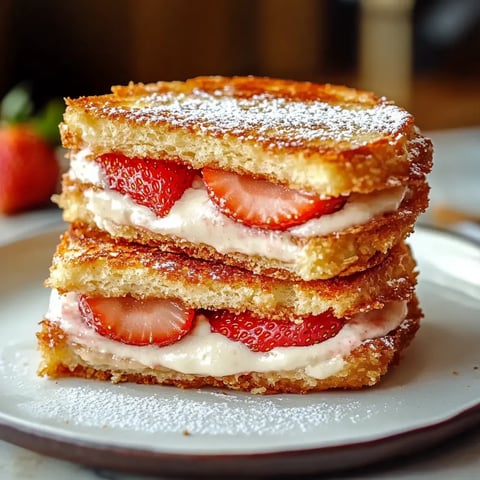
(156, 184)
(129, 320)
(261, 335)
(258, 203)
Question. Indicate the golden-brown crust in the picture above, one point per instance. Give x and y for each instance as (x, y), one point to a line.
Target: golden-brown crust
(91, 262)
(364, 366)
(340, 253)
(324, 138)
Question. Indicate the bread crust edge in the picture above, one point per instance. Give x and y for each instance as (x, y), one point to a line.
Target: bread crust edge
(365, 365)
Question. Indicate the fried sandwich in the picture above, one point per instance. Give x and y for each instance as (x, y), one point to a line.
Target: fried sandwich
(242, 232)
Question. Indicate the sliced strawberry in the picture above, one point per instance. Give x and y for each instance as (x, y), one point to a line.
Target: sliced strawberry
(258, 203)
(261, 335)
(156, 184)
(137, 322)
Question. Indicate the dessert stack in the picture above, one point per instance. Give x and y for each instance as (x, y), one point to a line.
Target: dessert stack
(244, 233)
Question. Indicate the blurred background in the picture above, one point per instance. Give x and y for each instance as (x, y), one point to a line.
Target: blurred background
(424, 54)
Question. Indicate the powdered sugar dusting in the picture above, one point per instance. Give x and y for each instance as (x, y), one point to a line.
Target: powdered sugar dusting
(420, 146)
(275, 121)
(161, 417)
(150, 416)
(148, 410)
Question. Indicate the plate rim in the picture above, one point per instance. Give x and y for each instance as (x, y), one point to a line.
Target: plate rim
(304, 460)
(298, 461)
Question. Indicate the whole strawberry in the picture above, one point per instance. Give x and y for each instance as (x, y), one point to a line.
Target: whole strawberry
(29, 169)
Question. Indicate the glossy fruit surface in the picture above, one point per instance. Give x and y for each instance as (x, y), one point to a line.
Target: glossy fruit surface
(155, 184)
(262, 335)
(258, 203)
(137, 322)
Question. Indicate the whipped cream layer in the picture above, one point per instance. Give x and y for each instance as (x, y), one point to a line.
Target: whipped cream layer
(203, 352)
(195, 218)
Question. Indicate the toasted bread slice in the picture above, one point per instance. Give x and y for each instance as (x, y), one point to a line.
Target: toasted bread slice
(364, 366)
(92, 263)
(327, 139)
(317, 257)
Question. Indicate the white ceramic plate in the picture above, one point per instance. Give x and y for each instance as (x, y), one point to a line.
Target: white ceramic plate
(433, 394)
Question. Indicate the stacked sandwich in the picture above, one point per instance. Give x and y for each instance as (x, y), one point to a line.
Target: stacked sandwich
(244, 233)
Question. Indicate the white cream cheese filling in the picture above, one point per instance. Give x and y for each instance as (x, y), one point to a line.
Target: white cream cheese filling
(203, 352)
(196, 219)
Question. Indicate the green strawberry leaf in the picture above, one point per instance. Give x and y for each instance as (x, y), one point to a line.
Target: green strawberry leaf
(47, 120)
(17, 105)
